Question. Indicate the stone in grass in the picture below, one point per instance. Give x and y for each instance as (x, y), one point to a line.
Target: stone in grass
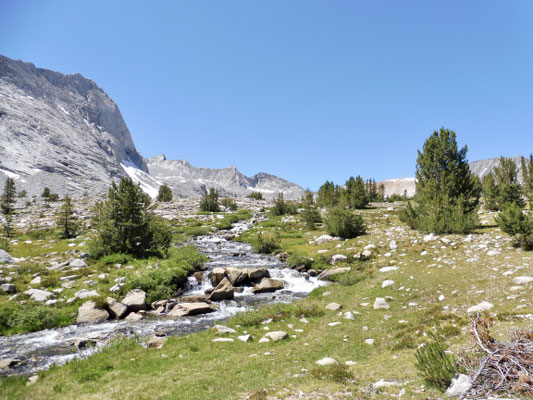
(327, 361)
(483, 306)
(387, 283)
(39, 295)
(380, 302)
(157, 341)
(78, 263)
(276, 336)
(523, 280)
(460, 385)
(222, 339)
(245, 338)
(222, 330)
(329, 273)
(8, 288)
(333, 306)
(89, 314)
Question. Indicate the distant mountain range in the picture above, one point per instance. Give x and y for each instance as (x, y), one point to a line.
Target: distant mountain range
(64, 132)
(479, 168)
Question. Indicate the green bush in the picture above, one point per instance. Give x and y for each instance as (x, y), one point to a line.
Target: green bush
(17, 318)
(116, 258)
(209, 201)
(266, 243)
(344, 223)
(282, 207)
(255, 196)
(229, 204)
(434, 364)
(196, 231)
(310, 216)
(339, 373)
(297, 260)
(42, 233)
(230, 219)
(513, 221)
(164, 194)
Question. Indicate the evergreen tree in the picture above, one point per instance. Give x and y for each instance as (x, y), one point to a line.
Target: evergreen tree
(490, 192)
(447, 195)
(125, 223)
(515, 222)
(7, 206)
(381, 192)
(281, 207)
(46, 193)
(65, 221)
(209, 201)
(371, 189)
(507, 186)
(527, 174)
(327, 195)
(355, 194)
(308, 199)
(164, 194)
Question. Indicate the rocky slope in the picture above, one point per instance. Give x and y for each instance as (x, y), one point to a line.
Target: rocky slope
(60, 131)
(479, 168)
(64, 132)
(189, 181)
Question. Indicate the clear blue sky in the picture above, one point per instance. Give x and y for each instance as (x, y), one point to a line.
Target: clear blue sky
(307, 90)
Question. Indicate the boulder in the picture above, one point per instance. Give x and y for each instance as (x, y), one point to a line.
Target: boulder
(9, 363)
(222, 330)
(194, 299)
(276, 336)
(327, 361)
(245, 338)
(268, 285)
(134, 300)
(199, 276)
(255, 274)
(77, 263)
(134, 317)
(8, 288)
(39, 295)
(89, 314)
(483, 306)
(324, 239)
(380, 302)
(333, 306)
(327, 274)
(186, 309)
(115, 307)
(338, 257)
(223, 291)
(460, 385)
(5, 258)
(216, 276)
(157, 341)
(237, 276)
(523, 280)
(84, 293)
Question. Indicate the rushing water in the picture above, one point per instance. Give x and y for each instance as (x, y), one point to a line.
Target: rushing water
(39, 350)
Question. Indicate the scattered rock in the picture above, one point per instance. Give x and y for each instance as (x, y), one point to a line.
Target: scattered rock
(276, 336)
(84, 293)
(222, 330)
(116, 308)
(327, 361)
(186, 309)
(380, 302)
(324, 239)
(36, 281)
(223, 291)
(157, 341)
(5, 258)
(245, 338)
(387, 283)
(388, 269)
(222, 339)
(39, 295)
(483, 306)
(9, 363)
(8, 288)
(89, 314)
(333, 306)
(338, 257)
(329, 273)
(460, 385)
(78, 263)
(523, 280)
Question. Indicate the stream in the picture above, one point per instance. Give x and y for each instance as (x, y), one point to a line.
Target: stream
(39, 350)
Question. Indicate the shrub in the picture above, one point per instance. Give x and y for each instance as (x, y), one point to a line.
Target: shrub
(339, 373)
(310, 216)
(164, 194)
(281, 207)
(209, 201)
(344, 223)
(125, 223)
(447, 193)
(229, 204)
(255, 196)
(513, 221)
(297, 260)
(22, 194)
(230, 219)
(17, 318)
(267, 243)
(116, 258)
(434, 364)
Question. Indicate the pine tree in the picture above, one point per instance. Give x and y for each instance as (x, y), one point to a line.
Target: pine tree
(355, 195)
(508, 188)
(327, 195)
(65, 221)
(209, 201)
(447, 195)
(164, 194)
(381, 192)
(490, 192)
(125, 223)
(527, 174)
(7, 205)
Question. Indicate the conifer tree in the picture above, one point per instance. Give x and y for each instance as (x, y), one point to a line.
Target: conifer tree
(125, 223)
(65, 221)
(209, 201)
(490, 192)
(509, 190)
(447, 195)
(527, 174)
(355, 194)
(7, 205)
(327, 195)
(164, 194)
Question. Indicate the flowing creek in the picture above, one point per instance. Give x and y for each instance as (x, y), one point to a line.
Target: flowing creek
(40, 350)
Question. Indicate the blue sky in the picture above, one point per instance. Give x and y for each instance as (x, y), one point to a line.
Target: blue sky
(307, 90)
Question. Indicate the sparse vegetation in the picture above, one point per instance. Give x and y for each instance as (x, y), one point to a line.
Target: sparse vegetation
(255, 196)
(266, 243)
(229, 204)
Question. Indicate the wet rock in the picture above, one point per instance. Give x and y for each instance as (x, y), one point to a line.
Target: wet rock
(255, 274)
(276, 336)
(186, 309)
(327, 274)
(237, 276)
(134, 300)
(89, 314)
(81, 344)
(223, 291)
(268, 285)
(134, 317)
(9, 363)
(194, 299)
(199, 276)
(8, 288)
(216, 276)
(115, 307)
(39, 295)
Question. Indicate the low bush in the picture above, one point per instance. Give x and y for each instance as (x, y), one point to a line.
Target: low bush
(344, 223)
(513, 221)
(255, 196)
(434, 363)
(297, 260)
(17, 318)
(116, 258)
(282, 207)
(310, 216)
(233, 218)
(338, 373)
(229, 204)
(267, 243)
(209, 201)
